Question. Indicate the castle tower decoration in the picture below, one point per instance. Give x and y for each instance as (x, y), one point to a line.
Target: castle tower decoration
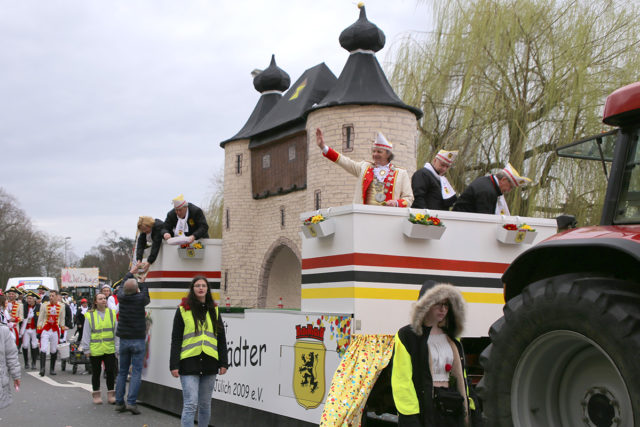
(274, 171)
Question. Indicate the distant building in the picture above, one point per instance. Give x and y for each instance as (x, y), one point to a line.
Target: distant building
(274, 171)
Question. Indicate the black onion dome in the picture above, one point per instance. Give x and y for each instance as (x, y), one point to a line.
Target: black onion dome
(273, 78)
(362, 34)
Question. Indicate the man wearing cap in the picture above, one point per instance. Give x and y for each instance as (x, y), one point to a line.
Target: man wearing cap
(42, 294)
(185, 219)
(379, 181)
(431, 189)
(50, 325)
(14, 309)
(28, 333)
(486, 193)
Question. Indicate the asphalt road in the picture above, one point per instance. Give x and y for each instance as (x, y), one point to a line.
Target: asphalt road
(65, 400)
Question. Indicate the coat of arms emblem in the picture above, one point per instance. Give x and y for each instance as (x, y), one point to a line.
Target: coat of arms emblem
(308, 366)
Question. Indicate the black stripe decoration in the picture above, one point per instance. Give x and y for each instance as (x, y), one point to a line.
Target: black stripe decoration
(404, 278)
(163, 284)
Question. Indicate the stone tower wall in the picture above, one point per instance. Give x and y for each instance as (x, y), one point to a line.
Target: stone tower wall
(254, 225)
(254, 232)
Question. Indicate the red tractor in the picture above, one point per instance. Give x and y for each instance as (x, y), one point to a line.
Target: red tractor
(567, 350)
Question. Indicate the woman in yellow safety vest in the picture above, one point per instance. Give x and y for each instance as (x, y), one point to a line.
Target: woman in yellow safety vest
(99, 343)
(198, 351)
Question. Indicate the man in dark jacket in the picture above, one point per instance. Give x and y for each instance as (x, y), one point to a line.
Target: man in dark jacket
(486, 193)
(185, 219)
(431, 190)
(132, 297)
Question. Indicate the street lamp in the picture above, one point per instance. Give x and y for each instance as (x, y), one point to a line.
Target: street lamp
(66, 239)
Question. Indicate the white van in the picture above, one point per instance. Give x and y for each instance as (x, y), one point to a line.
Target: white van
(32, 283)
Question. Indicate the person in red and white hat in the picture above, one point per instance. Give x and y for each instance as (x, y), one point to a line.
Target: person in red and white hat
(486, 193)
(14, 309)
(185, 219)
(431, 189)
(379, 181)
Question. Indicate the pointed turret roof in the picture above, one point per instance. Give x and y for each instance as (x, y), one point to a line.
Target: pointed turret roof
(270, 83)
(362, 81)
(289, 114)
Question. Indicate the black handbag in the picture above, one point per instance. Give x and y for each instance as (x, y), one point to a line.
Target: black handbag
(448, 402)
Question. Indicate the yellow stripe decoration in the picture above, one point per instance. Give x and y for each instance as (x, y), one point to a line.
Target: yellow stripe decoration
(393, 294)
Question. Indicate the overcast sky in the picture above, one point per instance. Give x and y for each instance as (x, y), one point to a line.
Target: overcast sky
(111, 108)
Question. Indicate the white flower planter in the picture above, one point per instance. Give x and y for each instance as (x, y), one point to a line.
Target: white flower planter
(421, 231)
(191, 253)
(515, 237)
(321, 229)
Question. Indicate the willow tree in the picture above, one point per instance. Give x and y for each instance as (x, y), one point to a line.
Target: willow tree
(215, 205)
(509, 81)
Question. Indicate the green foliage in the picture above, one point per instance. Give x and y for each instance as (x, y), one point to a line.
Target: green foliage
(215, 208)
(509, 81)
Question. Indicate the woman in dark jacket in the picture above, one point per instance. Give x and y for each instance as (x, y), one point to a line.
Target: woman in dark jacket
(428, 360)
(198, 351)
(150, 235)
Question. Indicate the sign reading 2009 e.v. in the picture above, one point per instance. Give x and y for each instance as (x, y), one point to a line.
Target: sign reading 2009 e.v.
(281, 361)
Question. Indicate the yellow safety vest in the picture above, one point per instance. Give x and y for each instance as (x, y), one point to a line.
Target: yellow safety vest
(205, 341)
(102, 333)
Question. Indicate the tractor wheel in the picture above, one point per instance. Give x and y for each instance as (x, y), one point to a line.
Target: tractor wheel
(565, 354)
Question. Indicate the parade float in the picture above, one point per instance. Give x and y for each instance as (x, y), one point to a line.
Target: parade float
(312, 287)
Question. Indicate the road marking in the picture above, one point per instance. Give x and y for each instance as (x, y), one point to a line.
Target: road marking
(50, 381)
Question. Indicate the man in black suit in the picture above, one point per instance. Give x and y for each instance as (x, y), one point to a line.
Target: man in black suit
(431, 190)
(185, 219)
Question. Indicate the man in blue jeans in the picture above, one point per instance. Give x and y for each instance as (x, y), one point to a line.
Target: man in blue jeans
(132, 298)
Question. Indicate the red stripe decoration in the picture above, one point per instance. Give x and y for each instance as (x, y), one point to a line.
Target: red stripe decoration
(396, 261)
(182, 274)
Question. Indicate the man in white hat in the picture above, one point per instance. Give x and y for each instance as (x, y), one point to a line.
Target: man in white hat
(431, 189)
(486, 193)
(379, 181)
(185, 219)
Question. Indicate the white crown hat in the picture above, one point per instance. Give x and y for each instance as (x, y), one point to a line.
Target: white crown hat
(381, 142)
(513, 175)
(447, 157)
(179, 202)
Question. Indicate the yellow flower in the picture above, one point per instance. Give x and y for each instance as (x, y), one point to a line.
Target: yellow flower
(197, 245)
(526, 227)
(316, 219)
(419, 217)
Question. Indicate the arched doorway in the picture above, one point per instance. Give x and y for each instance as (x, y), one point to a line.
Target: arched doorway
(281, 276)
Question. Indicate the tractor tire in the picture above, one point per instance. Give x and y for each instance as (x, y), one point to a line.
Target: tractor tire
(565, 354)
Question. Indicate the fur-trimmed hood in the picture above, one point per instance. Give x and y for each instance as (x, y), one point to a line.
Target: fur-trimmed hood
(442, 291)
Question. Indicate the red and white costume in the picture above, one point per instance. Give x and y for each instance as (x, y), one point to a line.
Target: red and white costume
(29, 327)
(376, 184)
(14, 309)
(50, 323)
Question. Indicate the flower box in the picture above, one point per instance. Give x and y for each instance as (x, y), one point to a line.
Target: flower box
(514, 237)
(191, 253)
(421, 231)
(320, 229)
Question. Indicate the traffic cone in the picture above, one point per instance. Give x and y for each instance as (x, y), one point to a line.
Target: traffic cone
(280, 305)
